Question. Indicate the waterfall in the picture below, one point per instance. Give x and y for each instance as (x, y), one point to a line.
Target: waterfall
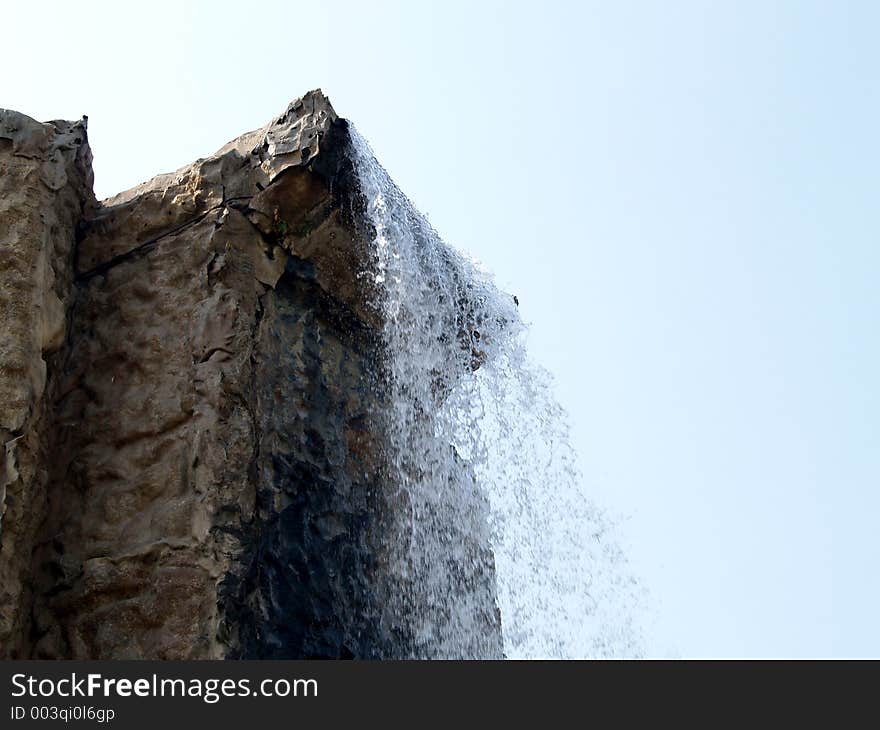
(487, 509)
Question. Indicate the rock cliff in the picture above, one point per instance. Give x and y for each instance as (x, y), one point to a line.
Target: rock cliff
(193, 404)
(45, 187)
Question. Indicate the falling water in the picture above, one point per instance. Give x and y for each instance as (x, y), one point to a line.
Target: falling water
(485, 473)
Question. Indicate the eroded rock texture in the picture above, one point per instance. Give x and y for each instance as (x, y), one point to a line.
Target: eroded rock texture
(198, 474)
(45, 183)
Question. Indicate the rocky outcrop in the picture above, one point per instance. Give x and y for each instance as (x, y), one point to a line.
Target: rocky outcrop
(191, 402)
(45, 185)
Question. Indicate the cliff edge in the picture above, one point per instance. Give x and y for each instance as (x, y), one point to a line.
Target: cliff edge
(192, 404)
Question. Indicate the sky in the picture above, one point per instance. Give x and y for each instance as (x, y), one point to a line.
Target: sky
(683, 197)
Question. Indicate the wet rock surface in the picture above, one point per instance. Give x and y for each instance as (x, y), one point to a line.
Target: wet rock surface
(191, 403)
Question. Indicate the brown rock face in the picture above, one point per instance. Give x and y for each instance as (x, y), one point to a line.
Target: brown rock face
(45, 182)
(190, 401)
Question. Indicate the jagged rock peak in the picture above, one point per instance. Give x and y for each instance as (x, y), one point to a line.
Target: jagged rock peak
(289, 140)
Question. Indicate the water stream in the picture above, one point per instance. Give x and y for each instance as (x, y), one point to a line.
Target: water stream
(490, 509)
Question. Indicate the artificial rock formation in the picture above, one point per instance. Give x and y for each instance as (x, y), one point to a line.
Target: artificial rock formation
(191, 403)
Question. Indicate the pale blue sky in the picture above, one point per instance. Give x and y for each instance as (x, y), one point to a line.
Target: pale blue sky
(683, 196)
